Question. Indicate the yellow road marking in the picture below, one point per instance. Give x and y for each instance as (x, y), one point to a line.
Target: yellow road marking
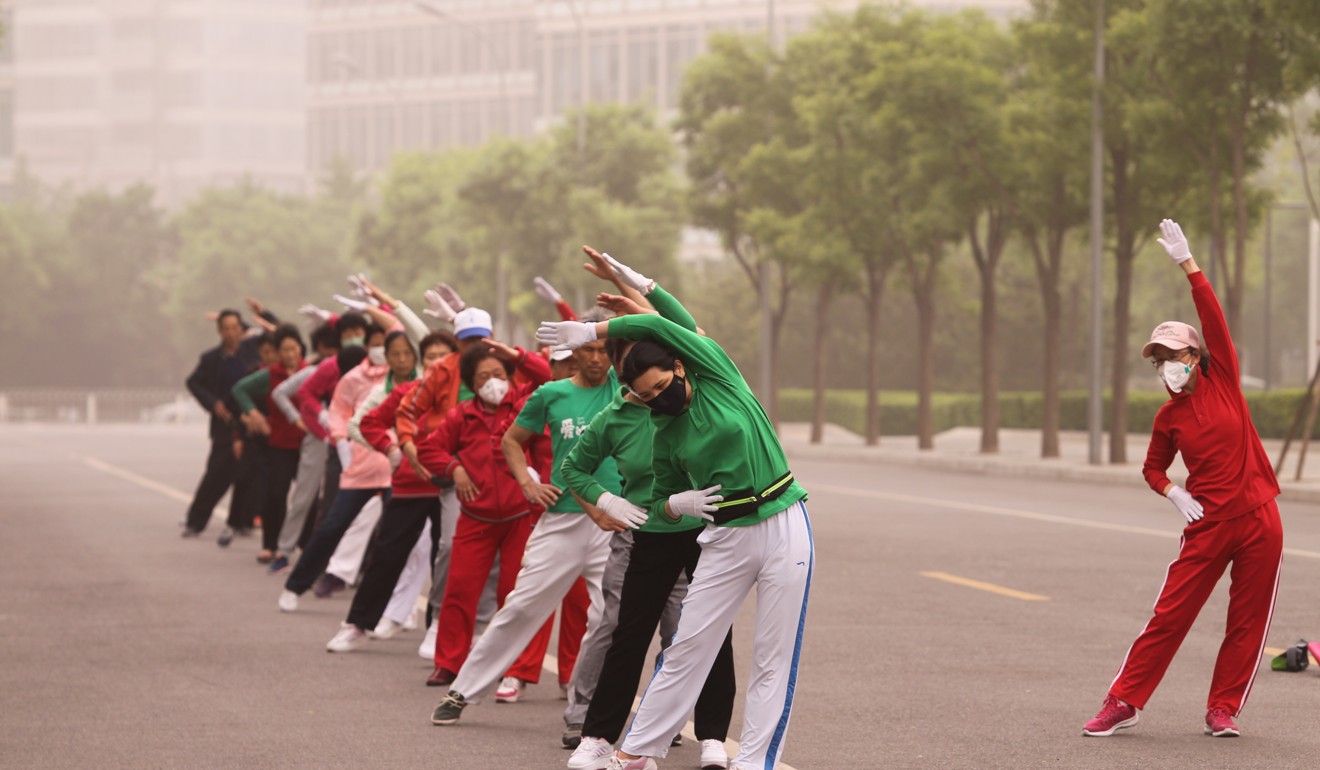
(989, 587)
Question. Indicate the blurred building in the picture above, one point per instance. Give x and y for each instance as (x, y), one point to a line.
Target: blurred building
(404, 74)
(177, 93)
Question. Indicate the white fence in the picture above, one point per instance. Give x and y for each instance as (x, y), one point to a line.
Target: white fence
(145, 405)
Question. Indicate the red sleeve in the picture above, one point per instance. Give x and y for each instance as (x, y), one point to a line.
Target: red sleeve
(1159, 455)
(1214, 327)
(417, 403)
(375, 425)
(565, 312)
(438, 450)
(534, 366)
(311, 392)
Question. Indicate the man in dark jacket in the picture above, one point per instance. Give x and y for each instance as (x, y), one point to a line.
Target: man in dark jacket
(210, 383)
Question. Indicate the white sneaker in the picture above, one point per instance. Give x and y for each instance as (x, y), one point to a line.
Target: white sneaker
(509, 690)
(619, 763)
(288, 601)
(349, 638)
(414, 620)
(713, 755)
(386, 629)
(426, 650)
(591, 754)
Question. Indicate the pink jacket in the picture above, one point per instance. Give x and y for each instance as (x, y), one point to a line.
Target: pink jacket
(370, 469)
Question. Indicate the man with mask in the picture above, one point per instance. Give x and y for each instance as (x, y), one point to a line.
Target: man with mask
(565, 544)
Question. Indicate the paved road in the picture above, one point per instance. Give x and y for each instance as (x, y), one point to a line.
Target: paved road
(123, 646)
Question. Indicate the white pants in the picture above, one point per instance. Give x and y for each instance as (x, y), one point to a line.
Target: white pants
(416, 572)
(562, 548)
(347, 560)
(776, 556)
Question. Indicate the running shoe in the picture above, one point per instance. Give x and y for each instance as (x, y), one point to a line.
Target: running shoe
(449, 710)
(226, 537)
(441, 677)
(572, 737)
(619, 763)
(288, 601)
(386, 629)
(677, 741)
(591, 754)
(414, 620)
(349, 638)
(1114, 715)
(327, 585)
(713, 755)
(426, 650)
(1219, 723)
(280, 564)
(510, 689)
(265, 557)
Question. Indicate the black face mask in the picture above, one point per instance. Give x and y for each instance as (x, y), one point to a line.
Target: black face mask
(671, 400)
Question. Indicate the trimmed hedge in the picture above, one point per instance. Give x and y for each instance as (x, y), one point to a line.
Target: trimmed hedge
(1272, 411)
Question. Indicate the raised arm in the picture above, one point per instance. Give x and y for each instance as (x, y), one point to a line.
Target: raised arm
(1215, 333)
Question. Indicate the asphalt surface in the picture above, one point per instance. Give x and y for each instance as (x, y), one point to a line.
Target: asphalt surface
(122, 645)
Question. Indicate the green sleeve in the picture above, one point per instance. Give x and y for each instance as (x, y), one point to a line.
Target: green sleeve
(533, 414)
(251, 388)
(669, 480)
(585, 458)
(670, 308)
(700, 354)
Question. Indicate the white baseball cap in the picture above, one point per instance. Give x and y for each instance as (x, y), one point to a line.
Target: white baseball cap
(472, 322)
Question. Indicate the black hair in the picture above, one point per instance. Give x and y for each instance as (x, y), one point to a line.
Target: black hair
(1204, 363)
(644, 356)
(472, 358)
(392, 336)
(227, 312)
(324, 336)
(267, 338)
(349, 322)
(438, 338)
(615, 347)
(350, 357)
(289, 332)
(374, 329)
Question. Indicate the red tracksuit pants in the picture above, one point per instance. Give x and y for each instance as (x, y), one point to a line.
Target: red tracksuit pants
(1253, 544)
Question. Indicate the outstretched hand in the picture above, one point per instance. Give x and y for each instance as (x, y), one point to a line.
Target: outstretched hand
(1174, 242)
(619, 305)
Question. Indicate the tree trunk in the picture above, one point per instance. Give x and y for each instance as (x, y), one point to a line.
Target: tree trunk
(823, 298)
(874, 291)
(1048, 261)
(925, 369)
(989, 363)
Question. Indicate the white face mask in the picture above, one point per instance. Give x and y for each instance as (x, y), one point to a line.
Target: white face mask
(377, 355)
(1175, 374)
(493, 391)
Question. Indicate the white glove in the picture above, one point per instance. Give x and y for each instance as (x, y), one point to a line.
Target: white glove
(534, 473)
(450, 296)
(436, 307)
(314, 312)
(565, 335)
(545, 291)
(396, 459)
(359, 287)
(629, 276)
(1174, 242)
(697, 503)
(1185, 503)
(356, 304)
(345, 450)
(621, 510)
(323, 417)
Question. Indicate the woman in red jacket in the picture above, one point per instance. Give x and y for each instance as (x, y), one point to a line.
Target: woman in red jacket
(1229, 507)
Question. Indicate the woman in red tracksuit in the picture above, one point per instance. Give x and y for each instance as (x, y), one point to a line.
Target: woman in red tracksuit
(1229, 506)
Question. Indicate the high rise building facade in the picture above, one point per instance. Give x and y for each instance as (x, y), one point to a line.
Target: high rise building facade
(179, 94)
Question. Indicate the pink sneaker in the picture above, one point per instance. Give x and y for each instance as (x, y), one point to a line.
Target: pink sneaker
(1114, 715)
(1219, 724)
(641, 763)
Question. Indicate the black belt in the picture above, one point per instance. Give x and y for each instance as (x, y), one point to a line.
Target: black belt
(739, 504)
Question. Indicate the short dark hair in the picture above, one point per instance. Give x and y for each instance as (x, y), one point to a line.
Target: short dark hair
(227, 312)
(349, 322)
(289, 332)
(472, 358)
(644, 356)
(438, 338)
(373, 329)
(266, 338)
(324, 336)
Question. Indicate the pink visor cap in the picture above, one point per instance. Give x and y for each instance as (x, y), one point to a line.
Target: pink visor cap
(1174, 335)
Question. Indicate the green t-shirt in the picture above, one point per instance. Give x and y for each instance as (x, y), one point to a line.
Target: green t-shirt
(568, 409)
(625, 432)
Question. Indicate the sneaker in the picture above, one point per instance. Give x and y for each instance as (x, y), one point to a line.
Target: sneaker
(1219, 724)
(619, 763)
(441, 677)
(414, 620)
(591, 754)
(189, 532)
(572, 737)
(288, 601)
(510, 688)
(327, 585)
(280, 564)
(563, 691)
(386, 629)
(349, 638)
(677, 741)
(226, 537)
(713, 755)
(265, 557)
(426, 650)
(449, 710)
(1114, 715)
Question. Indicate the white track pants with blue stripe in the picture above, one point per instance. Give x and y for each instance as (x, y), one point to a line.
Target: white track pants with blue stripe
(776, 556)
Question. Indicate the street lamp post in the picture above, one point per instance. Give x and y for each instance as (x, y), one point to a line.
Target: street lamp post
(1095, 405)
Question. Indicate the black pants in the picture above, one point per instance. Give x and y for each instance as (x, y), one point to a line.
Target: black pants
(329, 490)
(249, 483)
(657, 558)
(347, 505)
(281, 470)
(400, 525)
(221, 466)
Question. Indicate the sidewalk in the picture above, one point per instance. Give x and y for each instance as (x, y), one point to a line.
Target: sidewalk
(1019, 455)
